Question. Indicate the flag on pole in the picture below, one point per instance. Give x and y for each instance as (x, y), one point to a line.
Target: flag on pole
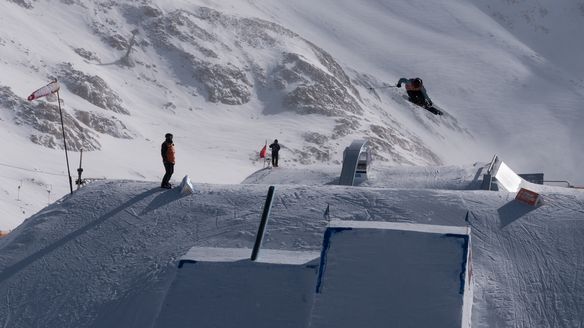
(263, 151)
(47, 90)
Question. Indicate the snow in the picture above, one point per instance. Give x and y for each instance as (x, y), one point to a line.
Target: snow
(114, 246)
(399, 226)
(224, 289)
(459, 177)
(379, 273)
(376, 263)
(212, 254)
(495, 68)
(507, 74)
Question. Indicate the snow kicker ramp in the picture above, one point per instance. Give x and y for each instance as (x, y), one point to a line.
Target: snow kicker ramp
(380, 274)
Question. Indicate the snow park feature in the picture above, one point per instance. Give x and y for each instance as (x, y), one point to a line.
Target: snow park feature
(115, 247)
(186, 186)
(374, 272)
(222, 287)
(507, 178)
(356, 159)
(397, 274)
(224, 76)
(528, 197)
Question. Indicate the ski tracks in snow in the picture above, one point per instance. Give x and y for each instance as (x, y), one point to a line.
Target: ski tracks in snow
(525, 276)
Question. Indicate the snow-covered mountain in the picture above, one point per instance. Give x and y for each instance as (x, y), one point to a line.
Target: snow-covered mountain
(226, 76)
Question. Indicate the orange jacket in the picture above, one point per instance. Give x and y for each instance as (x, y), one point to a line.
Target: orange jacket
(168, 153)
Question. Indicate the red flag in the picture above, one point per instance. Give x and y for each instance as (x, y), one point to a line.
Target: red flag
(263, 151)
(48, 89)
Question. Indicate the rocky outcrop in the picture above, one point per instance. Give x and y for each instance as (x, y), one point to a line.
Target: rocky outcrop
(44, 120)
(106, 125)
(91, 88)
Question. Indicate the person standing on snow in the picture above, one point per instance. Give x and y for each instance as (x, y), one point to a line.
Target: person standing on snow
(275, 147)
(168, 159)
(416, 91)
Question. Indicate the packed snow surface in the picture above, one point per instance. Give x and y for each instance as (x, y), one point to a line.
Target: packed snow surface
(106, 255)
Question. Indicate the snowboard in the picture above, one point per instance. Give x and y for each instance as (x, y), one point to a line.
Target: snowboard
(430, 108)
(434, 110)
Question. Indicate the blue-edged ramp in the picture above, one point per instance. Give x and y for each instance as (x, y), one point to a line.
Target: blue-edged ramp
(221, 287)
(382, 274)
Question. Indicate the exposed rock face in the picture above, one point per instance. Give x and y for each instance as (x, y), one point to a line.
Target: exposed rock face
(315, 91)
(225, 84)
(106, 125)
(385, 141)
(45, 122)
(317, 149)
(191, 51)
(344, 127)
(87, 54)
(201, 59)
(91, 88)
(23, 3)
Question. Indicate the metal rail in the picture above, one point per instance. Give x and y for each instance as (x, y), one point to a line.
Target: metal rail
(263, 223)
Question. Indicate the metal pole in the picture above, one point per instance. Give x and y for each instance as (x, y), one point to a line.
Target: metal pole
(383, 87)
(80, 169)
(263, 223)
(65, 144)
(493, 161)
(561, 181)
(266, 154)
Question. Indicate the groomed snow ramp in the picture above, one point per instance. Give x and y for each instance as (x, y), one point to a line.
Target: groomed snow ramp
(221, 287)
(381, 274)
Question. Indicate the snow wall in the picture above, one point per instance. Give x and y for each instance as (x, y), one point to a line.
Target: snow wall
(404, 275)
(221, 287)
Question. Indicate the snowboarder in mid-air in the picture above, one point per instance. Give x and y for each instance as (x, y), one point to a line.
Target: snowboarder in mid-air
(168, 159)
(275, 147)
(417, 94)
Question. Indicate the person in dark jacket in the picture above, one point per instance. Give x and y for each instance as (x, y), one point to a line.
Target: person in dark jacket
(168, 159)
(416, 91)
(275, 147)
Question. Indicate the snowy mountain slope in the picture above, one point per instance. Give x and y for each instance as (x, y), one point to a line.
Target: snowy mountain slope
(545, 26)
(225, 77)
(516, 99)
(103, 257)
